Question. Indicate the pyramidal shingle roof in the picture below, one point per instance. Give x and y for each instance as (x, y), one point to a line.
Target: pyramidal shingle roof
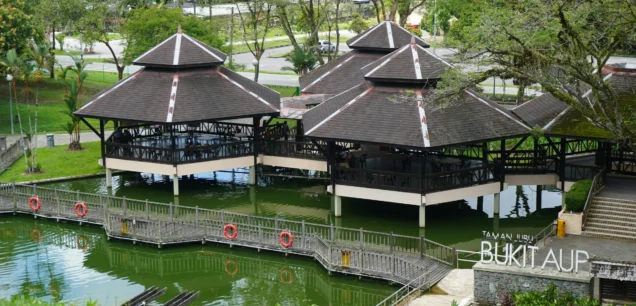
(385, 36)
(181, 85)
(411, 63)
(181, 50)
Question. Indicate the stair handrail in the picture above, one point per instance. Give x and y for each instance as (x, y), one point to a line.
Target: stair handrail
(597, 184)
(406, 291)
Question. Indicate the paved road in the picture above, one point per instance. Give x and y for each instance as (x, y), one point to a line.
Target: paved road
(61, 139)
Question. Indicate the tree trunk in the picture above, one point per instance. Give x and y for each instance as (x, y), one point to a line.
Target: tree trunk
(120, 72)
(53, 53)
(284, 21)
(394, 8)
(337, 28)
(403, 16)
(376, 8)
(521, 91)
(257, 69)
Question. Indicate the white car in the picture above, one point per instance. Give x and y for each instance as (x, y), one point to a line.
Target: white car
(326, 46)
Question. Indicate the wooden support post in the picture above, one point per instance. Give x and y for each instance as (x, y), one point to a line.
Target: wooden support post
(304, 238)
(15, 198)
(422, 246)
(454, 257)
(361, 239)
(196, 215)
(147, 211)
(124, 206)
(223, 216)
(539, 197)
(562, 163)
(502, 169)
(171, 212)
(391, 241)
(57, 202)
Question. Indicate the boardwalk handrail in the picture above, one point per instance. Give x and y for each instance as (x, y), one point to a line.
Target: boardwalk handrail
(597, 184)
(403, 295)
(388, 256)
(11, 154)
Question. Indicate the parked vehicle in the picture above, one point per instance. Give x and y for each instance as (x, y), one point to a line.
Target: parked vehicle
(326, 46)
(360, 1)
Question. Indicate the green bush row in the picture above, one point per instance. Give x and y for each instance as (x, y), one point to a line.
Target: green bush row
(576, 197)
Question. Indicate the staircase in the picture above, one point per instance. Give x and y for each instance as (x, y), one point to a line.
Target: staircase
(611, 218)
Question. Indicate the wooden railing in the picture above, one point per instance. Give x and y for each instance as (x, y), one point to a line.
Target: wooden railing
(461, 178)
(182, 155)
(294, 149)
(11, 154)
(363, 177)
(373, 254)
(597, 184)
(575, 173)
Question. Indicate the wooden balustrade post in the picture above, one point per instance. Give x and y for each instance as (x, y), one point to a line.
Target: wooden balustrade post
(361, 239)
(391, 241)
(331, 233)
(102, 204)
(57, 202)
(275, 224)
(196, 215)
(171, 212)
(392, 264)
(453, 256)
(147, 211)
(260, 233)
(15, 198)
(302, 235)
(421, 247)
(124, 205)
(223, 216)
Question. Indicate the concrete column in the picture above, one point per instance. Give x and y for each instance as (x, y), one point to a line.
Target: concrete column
(497, 202)
(539, 196)
(337, 201)
(480, 203)
(252, 175)
(175, 184)
(495, 223)
(109, 178)
(423, 215)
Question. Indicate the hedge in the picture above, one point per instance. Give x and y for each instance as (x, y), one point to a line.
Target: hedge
(576, 197)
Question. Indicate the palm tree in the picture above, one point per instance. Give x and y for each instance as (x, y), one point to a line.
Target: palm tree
(302, 61)
(40, 55)
(72, 96)
(13, 65)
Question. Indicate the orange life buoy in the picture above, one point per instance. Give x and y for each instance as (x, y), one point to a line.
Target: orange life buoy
(36, 235)
(284, 279)
(83, 245)
(228, 263)
(81, 205)
(290, 239)
(234, 231)
(35, 203)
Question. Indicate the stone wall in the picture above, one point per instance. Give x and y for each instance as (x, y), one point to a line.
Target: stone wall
(493, 282)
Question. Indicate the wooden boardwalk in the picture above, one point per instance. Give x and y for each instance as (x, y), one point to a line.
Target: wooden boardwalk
(395, 258)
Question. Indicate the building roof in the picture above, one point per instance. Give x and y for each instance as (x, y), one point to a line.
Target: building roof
(386, 36)
(398, 115)
(338, 74)
(295, 107)
(540, 111)
(187, 95)
(411, 63)
(181, 51)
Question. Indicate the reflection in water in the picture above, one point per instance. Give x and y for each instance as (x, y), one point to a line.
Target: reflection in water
(521, 200)
(71, 263)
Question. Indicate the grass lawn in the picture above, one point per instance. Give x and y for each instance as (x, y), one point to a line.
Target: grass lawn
(282, 43)
(58, 162)
(269, 72)
(284, 91)
(50, 116)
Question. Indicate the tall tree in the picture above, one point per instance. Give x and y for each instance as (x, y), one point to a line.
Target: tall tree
(74, 88)
(283, 10)
(145, 28)
(15, 26)
(530, 39)
(94, 28)
(255, 24)
(406, 8)
(313, 14)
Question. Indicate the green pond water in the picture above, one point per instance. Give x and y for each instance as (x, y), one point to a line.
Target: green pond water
(46, 259)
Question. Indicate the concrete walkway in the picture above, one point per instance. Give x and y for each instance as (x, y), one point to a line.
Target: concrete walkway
(457, 286)
(61, 139)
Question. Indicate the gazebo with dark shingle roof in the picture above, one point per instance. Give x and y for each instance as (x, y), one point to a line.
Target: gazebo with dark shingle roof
(174, 116)
(343, 72)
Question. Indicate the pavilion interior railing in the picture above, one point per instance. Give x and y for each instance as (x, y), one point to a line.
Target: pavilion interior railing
(415, 182)
(197, 153)
(355, 251)
(294, 149)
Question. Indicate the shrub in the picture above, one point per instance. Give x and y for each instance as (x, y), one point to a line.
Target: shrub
(576, 197)
(551, 297)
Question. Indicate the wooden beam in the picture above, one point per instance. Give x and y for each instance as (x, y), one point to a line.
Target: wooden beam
(92, 128)
(101, 139)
